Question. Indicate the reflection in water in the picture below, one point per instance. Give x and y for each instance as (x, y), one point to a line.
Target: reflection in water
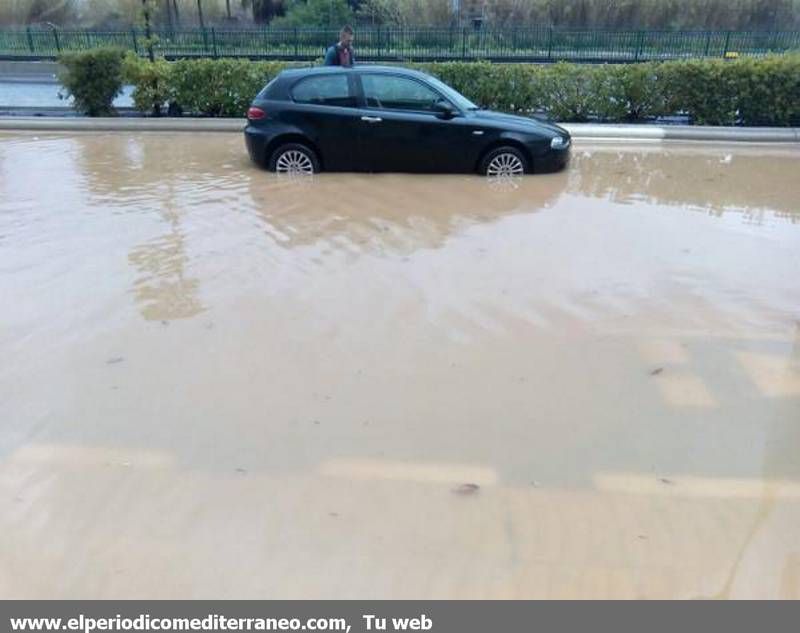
(796, 354)
(163, 291)
(561, 386)
(713, 180)
(131, 172)
(505, 183)
(390, 213)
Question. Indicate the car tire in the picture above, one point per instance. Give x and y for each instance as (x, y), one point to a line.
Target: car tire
(504, 161)
(295, 159)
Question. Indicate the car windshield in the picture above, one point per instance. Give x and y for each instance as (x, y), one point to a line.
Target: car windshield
(456, 97)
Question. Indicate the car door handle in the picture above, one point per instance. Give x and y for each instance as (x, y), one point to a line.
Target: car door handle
(371, 119)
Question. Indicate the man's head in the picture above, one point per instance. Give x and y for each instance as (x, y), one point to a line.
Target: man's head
(346, 35)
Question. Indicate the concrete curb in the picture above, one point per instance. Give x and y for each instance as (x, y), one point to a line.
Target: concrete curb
(578, 130)
(685, 133)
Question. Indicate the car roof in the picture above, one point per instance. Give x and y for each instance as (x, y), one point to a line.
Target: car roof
(331, 70)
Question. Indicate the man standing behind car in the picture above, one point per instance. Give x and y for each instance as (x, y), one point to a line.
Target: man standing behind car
(341, 53)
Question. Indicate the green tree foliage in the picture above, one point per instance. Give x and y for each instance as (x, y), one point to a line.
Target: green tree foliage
(407, 12)
(315, 13)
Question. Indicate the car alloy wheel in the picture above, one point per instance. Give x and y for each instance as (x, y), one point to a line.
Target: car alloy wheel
(294, 161)
(505, 164)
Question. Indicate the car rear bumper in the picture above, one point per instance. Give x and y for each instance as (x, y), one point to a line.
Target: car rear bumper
(256, 141)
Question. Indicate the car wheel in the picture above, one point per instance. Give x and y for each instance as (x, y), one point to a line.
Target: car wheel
(504, 161)
(294, 159)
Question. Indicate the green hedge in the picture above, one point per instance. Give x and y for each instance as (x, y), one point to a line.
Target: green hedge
(93, 79)
(219, 88)
(752, 91)
(758, 92)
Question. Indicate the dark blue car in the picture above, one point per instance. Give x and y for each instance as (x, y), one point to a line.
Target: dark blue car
(375, 118)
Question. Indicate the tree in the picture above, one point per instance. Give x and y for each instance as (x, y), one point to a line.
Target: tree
(311, 13)
(200, 14)
(57, 11)
(147, 8)
(264, 10)
(170, 21)
(408, 12)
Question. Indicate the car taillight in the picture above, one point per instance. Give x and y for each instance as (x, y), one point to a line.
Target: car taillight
(255, 113)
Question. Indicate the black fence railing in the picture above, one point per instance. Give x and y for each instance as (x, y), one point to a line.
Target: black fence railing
(537, 44)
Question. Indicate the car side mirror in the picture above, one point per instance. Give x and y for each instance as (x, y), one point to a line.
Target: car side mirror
(444, 109)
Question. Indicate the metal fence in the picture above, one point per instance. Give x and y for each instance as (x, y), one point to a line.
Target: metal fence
(539, 44)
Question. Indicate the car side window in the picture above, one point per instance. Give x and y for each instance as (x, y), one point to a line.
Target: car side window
(398, 93)
(330, 90)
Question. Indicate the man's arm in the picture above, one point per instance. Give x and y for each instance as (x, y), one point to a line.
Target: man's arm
(330, 56)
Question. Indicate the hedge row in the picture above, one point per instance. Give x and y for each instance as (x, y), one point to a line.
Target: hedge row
(758, 92)
(219, 88)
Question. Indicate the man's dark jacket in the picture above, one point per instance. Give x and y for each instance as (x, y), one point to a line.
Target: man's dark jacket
(332, 57)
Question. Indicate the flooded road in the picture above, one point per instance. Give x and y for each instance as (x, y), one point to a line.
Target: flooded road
(217, 383)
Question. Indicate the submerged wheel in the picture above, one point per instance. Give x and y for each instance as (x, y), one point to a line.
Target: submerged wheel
(504, 161)
(294, 159)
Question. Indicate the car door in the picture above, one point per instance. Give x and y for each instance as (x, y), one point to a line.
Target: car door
(325, 111)
(400, 130)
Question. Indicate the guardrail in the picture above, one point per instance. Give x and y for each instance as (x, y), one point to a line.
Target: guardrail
(539, 44)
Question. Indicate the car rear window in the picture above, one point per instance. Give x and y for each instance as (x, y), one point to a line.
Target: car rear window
(266, 89)
(330, 90)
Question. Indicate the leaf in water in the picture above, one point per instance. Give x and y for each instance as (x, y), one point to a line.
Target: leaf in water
(466, 489)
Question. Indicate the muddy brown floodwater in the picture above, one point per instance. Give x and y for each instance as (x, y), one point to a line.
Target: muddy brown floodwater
(218, 383)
